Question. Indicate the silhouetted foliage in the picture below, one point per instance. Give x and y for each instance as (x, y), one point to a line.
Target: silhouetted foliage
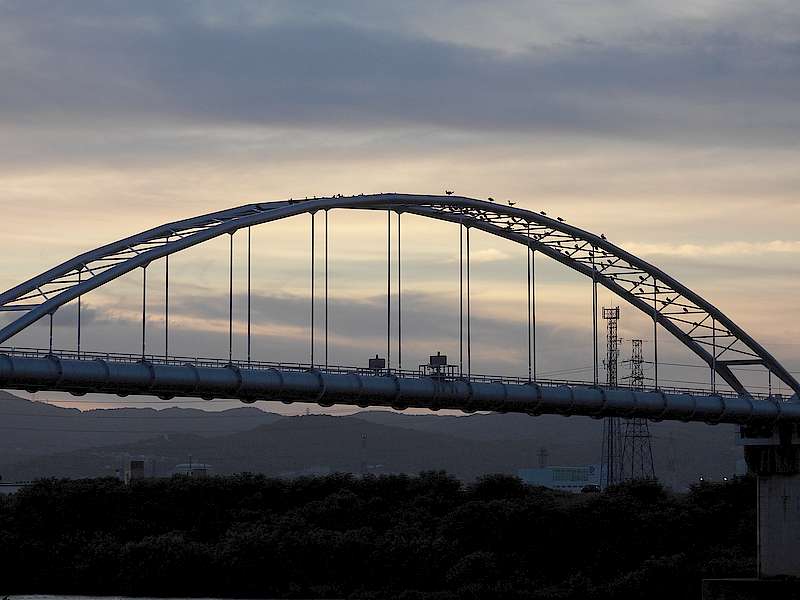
(424, 537)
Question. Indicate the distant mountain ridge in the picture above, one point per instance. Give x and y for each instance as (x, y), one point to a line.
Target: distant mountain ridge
(40, 440)
(29, 428)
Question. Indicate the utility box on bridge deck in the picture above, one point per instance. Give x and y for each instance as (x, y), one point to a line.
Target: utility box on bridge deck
(437, 367)
(377, 363)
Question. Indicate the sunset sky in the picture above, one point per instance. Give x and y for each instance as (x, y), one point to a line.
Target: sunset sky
(673, 130)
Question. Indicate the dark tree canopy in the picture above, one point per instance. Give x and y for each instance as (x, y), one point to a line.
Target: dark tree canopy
(428, 536)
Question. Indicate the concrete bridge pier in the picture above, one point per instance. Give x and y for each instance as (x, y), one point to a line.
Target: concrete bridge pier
(773, 455)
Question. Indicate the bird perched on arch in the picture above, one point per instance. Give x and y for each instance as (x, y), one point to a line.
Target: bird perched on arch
(510, 203)
(490, 199)
(603, 236)
(561, 219)
(449, 192)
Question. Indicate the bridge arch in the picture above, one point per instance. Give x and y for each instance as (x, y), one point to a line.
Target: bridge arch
(682, 312)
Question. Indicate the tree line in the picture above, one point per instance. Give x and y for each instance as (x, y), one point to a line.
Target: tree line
(428, 537)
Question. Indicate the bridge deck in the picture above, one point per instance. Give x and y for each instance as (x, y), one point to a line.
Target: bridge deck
(160, 359)
(121, 374)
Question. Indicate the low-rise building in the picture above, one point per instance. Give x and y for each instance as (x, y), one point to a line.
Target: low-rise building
(134, 470)
(12, 487)
(569, 479)
(192, 469)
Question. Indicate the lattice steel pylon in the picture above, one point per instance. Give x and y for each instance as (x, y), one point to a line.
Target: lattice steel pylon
(636, 457)
(610, 464)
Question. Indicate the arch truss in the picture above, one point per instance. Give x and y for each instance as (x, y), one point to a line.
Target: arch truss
(699, 325)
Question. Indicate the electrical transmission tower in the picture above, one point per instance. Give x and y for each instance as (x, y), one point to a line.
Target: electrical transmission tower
(637, 365)
(612, 444)
(636, 457)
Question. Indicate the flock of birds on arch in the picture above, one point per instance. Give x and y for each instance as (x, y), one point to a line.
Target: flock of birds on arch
(511, 203)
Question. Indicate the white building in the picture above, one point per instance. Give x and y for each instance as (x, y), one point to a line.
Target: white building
(192, 469)
(568, 479)
(12, 488)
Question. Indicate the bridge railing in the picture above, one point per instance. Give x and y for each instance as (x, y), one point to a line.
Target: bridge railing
(197, 361)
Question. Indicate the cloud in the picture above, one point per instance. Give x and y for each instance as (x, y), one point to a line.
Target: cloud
(116, 64)
(732, 249)
(487, 255)
(280, 325)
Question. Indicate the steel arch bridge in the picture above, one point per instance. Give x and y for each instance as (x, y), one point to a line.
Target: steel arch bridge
(695, 322)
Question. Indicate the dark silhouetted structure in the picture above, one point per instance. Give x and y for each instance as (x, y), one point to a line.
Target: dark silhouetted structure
(612, 450)
(636, 457)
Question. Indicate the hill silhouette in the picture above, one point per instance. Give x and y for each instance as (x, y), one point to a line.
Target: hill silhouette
(48, 441)
(30, 428)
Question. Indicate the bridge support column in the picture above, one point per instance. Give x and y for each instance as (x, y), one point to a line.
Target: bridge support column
(778, 526)
(773, 455)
